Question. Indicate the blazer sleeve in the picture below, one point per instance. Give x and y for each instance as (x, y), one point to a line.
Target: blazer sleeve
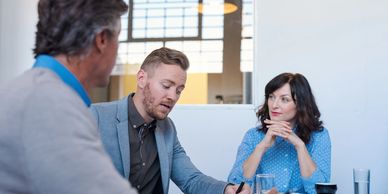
(187, 177)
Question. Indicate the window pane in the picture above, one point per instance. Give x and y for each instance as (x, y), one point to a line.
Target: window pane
(213, 21)
(139, 13)
(139, 24)
(174, 32)
(154, 33)
(191, 22)
(209, 33)
(174, 22)
(155, 23)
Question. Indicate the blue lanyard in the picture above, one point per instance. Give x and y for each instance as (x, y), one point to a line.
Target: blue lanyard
(49, 62)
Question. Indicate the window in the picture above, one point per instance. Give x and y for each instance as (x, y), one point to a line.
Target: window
(218, 44)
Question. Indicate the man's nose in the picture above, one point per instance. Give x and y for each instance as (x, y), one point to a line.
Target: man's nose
(172, 94)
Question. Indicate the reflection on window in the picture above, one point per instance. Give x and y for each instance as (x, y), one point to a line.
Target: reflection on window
(219, 47)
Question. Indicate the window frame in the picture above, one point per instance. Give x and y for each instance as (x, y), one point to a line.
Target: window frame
(256, 99)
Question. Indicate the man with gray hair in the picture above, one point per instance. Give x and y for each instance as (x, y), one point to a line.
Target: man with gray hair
(49, 141)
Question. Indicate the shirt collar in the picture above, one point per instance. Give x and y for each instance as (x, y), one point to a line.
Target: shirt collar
(134, 117)
(49, 62)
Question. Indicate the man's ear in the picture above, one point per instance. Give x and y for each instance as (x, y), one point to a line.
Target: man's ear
(141, 78)
(101, 41)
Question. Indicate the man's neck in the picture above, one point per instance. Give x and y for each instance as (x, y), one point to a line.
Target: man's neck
(73, 64)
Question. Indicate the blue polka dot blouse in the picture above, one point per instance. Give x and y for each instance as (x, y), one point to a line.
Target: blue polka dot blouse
(281, 160)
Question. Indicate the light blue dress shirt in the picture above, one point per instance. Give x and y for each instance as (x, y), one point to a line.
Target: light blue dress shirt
(281, 160)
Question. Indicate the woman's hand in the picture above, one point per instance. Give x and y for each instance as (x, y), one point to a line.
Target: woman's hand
(275, 128)
(282, 129)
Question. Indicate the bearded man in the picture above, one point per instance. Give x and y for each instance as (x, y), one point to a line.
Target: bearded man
(141, 139)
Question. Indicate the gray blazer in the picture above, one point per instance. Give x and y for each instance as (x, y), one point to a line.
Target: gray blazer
(112, 118)
(49, 142)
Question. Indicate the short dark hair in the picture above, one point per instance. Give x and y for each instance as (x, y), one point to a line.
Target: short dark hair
(69, 26)
(307, 112)
(167, 56)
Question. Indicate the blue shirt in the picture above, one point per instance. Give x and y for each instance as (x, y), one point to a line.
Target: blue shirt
(49, 62)
(282, 161)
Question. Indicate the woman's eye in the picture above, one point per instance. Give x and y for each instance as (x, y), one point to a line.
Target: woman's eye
(285, 100)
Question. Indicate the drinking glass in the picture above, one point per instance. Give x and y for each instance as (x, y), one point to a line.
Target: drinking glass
(361, 180)
(264, 183)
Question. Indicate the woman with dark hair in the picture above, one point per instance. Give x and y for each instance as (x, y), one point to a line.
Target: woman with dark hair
(290, 141)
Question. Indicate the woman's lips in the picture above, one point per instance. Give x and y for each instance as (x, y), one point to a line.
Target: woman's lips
(275, 114)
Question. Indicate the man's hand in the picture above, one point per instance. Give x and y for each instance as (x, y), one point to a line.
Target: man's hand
(231, 189)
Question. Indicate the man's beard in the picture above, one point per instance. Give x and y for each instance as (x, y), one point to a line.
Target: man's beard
(149, 106)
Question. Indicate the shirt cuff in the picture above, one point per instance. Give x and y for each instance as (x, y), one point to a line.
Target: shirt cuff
(309, 182)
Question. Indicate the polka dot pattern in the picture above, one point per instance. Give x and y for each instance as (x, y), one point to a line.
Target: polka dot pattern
(281, 160)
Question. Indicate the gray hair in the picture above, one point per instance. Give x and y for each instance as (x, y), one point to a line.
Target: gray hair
(69, 26)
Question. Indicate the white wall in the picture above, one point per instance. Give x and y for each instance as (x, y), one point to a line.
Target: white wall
(17, 25)
(342, 49)
(211, 134)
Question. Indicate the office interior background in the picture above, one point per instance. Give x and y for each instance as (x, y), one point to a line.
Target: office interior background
(340, 46)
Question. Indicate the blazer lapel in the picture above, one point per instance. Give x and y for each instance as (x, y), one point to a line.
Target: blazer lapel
(163, 158)
(122, 133)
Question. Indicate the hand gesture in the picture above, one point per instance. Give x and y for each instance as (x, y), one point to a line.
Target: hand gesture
(284, 130)
(275, 128)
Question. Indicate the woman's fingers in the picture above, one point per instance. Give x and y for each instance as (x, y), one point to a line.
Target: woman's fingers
(279, 129)
(278, 124)
(277, 132)
(285, 123)
(282, 129)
